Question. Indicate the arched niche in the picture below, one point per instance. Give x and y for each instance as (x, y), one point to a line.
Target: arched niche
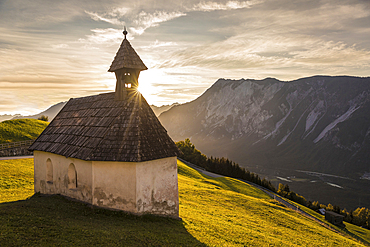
(49, 171)
(72, 176)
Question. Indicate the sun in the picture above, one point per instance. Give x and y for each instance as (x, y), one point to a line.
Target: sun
(147, 80)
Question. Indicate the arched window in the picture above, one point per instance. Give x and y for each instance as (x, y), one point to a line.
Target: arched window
(72, 177)
(49, 171)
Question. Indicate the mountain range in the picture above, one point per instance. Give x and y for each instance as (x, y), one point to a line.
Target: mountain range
(53, 110)
(316, 126)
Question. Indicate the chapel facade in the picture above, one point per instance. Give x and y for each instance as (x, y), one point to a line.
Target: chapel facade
(110, 150)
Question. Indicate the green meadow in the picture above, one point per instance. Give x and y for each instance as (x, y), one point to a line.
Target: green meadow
(214, 212)
(21, 130)
(351, 230)
(16, 180)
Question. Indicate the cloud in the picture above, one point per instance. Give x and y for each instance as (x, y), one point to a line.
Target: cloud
(112, 17)
(146, 20)
(138, 22)
(276, 54)
(230, 5)
(108, 36)
(64, 49)
(60, 46)
(158, 44)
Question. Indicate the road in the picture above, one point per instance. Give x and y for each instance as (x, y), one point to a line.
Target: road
(16, 157)
(200, 169)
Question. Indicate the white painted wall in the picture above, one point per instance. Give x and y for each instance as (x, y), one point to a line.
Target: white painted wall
(59, 185)
(136, 187)
(114, 185)
(157, 187)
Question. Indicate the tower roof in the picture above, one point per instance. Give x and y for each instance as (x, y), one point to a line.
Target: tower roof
(99, 128)
(126, 57)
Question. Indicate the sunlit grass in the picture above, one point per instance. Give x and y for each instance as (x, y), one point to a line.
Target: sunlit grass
(214, 212)
(21, 130)
(227, 212)
(352, 230)
(16, 179)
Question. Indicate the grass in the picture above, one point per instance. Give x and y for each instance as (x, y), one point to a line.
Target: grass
(354, 231)
(215, 212)
(16, 179)
(21, 130)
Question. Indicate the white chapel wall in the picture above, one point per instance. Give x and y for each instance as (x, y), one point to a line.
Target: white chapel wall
(114, 185)
(157, 187)
(60, 180)
(137, 187)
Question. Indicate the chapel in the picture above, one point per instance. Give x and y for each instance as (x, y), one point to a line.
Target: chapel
(110, 150)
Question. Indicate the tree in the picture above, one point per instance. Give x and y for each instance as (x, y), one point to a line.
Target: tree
(360, 216)
(221, 165)
(43, 118)
(330, 207)
(315, 205)
(336, 209)
(347, 215)
(286, 188)
(282, 190)
(191, 154)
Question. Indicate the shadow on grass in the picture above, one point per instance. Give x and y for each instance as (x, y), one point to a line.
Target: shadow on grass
(55, 220)
(362, 240)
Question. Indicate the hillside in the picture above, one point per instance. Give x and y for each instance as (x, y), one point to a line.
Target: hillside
(5, 117)
(51, 112)
(214, 212)
(159, 109)
(21, 130)
(285, 130)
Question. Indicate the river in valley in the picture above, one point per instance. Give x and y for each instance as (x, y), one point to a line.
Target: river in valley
(345, 192)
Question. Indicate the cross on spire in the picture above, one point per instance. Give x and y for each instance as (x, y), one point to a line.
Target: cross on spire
(125, 32)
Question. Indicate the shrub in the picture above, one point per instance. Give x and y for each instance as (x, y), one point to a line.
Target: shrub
(43, 118)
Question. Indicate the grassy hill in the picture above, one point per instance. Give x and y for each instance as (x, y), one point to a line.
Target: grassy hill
(215, 212)
(21, 130)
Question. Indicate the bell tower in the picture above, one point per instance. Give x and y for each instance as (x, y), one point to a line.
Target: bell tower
(127, 66)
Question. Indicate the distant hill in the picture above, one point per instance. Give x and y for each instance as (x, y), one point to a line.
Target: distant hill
(6, 117)
(159, 109)
(21, 130)
(317, 124)
(51, 112)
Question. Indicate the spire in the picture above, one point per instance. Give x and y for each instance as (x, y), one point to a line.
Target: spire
(126, 66)
(126, 57)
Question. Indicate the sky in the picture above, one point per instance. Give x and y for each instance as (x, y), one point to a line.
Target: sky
(51, 51)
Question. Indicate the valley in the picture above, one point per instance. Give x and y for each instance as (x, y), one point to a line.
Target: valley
(326, 188)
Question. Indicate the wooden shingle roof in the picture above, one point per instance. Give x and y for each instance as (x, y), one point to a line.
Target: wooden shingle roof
(98, 128)
(126, 57)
